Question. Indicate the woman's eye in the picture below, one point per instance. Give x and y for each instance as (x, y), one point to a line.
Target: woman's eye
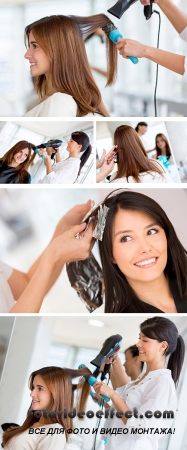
(126, 239)
(152, 231)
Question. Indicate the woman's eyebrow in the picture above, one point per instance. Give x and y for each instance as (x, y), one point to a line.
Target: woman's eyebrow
(130, 231)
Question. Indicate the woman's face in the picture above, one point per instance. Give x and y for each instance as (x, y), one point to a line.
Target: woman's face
(21, 156)
(38, 59)
(150, 350)
(160, 143)
(139, 246)
(40, 394)
(72, 146)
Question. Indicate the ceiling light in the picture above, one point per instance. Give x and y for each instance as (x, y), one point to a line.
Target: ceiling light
(96, 323)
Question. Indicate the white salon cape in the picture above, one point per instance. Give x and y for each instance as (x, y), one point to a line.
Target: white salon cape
(64, 172)
(183, 36)
(156, 392)
(6, 296)
(57, 105)
(26, 441)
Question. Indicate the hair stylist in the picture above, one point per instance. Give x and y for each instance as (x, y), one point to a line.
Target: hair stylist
(176, 63)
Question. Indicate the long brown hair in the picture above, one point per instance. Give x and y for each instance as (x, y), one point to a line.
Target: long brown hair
(158, 150)
(61, 38)
(132, 158)
(59, 383)
(21, 169)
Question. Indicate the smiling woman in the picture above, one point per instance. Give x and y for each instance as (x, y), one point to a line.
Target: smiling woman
(144, 264)
(15, 162)
(51, 392)
(58, 60)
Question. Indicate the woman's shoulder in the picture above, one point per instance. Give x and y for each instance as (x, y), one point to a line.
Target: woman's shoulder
(57, 105)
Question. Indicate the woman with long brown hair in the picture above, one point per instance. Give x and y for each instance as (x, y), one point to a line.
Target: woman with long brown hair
(134, 166)
(51, 392)
(58, 60)
(162, 146)
(15, 162)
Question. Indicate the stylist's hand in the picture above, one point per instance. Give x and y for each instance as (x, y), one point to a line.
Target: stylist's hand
(100, 162)
(73, 217)
(147, 2)
(42, 152)
(129, 47)
(106, 168)
(66, 248)
(102, 389)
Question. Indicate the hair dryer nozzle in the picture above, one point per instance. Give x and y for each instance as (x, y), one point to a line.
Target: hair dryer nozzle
(120, 7)
(110, 347)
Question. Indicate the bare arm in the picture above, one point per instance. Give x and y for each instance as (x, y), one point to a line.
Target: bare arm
(118, 375)
(19, 280)
(169, 60)
(119, 404)
(177, 17)
(57, 156)
(63, 249)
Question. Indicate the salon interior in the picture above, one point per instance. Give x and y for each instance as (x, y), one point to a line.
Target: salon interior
(28, 224)
(133, 93)
(38, 132)
(69, 342)
(175, 132)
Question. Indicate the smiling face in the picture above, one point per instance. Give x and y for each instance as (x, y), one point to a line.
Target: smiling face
(20, 157)
(139, 246)
(38, 59)
(40, 394)
(150, 350)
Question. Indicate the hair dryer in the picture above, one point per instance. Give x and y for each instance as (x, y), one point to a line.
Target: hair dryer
(55, 143)
(92, 380)
(122, 5)
(110, 347)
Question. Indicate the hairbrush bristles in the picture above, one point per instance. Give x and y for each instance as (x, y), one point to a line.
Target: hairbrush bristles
(109, 28)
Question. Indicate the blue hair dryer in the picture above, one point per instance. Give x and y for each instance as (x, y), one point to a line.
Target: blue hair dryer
(91, 381)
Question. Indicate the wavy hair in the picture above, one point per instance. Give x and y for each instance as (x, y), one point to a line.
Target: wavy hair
(62, 39)
(132, 158)
(21, 169)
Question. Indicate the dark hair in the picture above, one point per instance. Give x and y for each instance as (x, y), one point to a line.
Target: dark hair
(21, 169)
(82, 139)
(162, 329)
(141, 124)
(158, 151)
(62, 39)
(119, 295)
(133, 349)
(59, 383)
(131, 155)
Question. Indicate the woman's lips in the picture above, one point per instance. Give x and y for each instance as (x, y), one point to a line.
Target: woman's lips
(149, 262)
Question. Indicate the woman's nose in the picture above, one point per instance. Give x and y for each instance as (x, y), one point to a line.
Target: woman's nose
(144, 246)
(27, 54)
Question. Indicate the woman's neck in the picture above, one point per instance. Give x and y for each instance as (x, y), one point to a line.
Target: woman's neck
(156, 293)
(50, 90)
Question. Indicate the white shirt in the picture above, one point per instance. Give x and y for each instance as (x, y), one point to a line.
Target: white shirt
(183, 36)
(155, 393)
(147, 177)
(64, 172)
(26, 441)
(57, 105)
(6, 297)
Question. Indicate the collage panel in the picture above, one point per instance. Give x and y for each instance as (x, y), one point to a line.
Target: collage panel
(117, 250)
(37, 81)
(60, 152)
(58, 409)
(145, 152)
